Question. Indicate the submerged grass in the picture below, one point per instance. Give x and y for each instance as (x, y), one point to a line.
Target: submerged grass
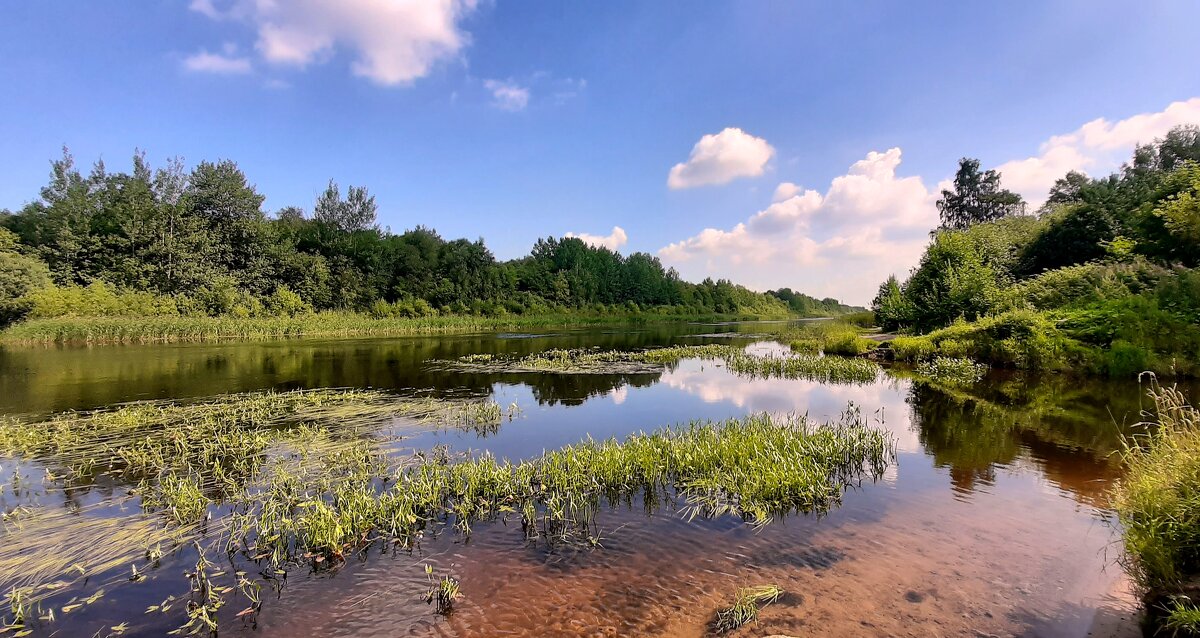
(1158, 505)
(584, 361)
(746, 604)
(291, 479)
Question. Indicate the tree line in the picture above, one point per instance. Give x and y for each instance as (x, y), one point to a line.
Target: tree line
(199, 241)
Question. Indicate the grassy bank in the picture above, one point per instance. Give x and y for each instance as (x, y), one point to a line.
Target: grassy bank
(1158, 505)
(1119, 340)
(167, 329)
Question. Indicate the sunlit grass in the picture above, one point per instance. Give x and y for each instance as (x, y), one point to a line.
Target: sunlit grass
(951, 370)
(746, 605)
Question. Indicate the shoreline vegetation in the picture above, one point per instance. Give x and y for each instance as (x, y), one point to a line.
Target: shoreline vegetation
(1104, 279)
(172, 254)
(98, 330)
(1157, 505)
(300, 480)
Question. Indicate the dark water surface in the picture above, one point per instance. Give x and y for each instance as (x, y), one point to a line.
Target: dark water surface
(989, 523)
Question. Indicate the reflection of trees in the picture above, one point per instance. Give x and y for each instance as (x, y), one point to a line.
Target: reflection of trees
(1067, 427)
(54, 379)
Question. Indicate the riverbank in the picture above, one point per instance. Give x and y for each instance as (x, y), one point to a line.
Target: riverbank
(72, 330)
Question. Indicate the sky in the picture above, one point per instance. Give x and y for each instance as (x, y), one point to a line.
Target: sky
(796, 144)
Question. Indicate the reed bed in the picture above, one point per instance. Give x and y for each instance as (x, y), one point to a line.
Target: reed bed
(169, 329)
(830, 369)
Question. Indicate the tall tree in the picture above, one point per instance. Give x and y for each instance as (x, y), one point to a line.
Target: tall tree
(977, 197)
(356, 212)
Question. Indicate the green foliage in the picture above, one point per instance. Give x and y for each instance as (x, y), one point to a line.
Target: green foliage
(19, 275)
(952, 281)
(1107, 264)
(951, 370)
(977, 197)
(1016, 339)
(97, 300)
(892, 309)
(202, 239)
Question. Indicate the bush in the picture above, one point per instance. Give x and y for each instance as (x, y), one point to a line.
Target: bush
(1017, 339)
(19, 275)
(98, 299)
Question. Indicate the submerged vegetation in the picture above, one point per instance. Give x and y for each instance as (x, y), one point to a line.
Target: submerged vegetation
(306, 477)
(747, 602)
(1158, 505)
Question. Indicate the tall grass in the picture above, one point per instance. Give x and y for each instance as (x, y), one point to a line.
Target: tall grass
(830, 369)
(1158, 506)
(165, 329)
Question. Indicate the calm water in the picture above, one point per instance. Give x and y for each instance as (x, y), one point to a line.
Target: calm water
(990, 522)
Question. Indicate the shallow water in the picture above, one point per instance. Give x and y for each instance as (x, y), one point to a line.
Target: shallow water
(991, 522)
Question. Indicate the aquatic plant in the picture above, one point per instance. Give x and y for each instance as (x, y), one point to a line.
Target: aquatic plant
(747, 602)
(442, 593)
(827, 369)
(951, 370)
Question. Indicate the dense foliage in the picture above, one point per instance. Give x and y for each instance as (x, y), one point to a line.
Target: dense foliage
(1103, 276)
(171, 241)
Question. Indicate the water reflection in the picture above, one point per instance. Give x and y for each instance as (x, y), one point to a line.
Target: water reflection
(986, 524)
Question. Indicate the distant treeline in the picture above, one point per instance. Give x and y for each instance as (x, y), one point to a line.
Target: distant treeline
(170, 240)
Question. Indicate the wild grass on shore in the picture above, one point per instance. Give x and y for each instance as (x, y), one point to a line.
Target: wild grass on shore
(167, 329)
(1158, 506)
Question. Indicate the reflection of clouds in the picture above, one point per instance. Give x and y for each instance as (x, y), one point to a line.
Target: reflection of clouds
(619, 394)
(883, 399)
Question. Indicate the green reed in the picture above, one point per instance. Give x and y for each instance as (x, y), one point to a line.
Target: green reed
(832, 369)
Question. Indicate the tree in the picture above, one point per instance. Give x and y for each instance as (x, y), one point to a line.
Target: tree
(1068, 189)
(953, 280)
(356, 212)
(892, 310)
(19, 275)
(977, 197)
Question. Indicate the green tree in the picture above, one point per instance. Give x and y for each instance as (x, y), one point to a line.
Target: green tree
(20, 274)
(977, 197)
(892, 310)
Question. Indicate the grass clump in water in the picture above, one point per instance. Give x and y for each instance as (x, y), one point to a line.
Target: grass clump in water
(797, 366)
(756, 467)
(952, 370)
(747, 603)
(1158, 505)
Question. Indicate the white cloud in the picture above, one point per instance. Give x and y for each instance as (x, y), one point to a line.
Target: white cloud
(785, 190)
(871, 222)
(868, 224)
(612, 241)
(227, 62)
(395, 41)
(722, 158)
(507, 95)
(1097, 147)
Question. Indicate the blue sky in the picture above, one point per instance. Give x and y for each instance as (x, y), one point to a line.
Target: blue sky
(514, 120)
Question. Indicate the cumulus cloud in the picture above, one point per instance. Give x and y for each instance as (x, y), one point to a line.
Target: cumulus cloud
(1097, 147)
(507, 95)
(873, 222)
(722, 158)
(612, 241)
(869, 223)
(394, 41)
(228, 62)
